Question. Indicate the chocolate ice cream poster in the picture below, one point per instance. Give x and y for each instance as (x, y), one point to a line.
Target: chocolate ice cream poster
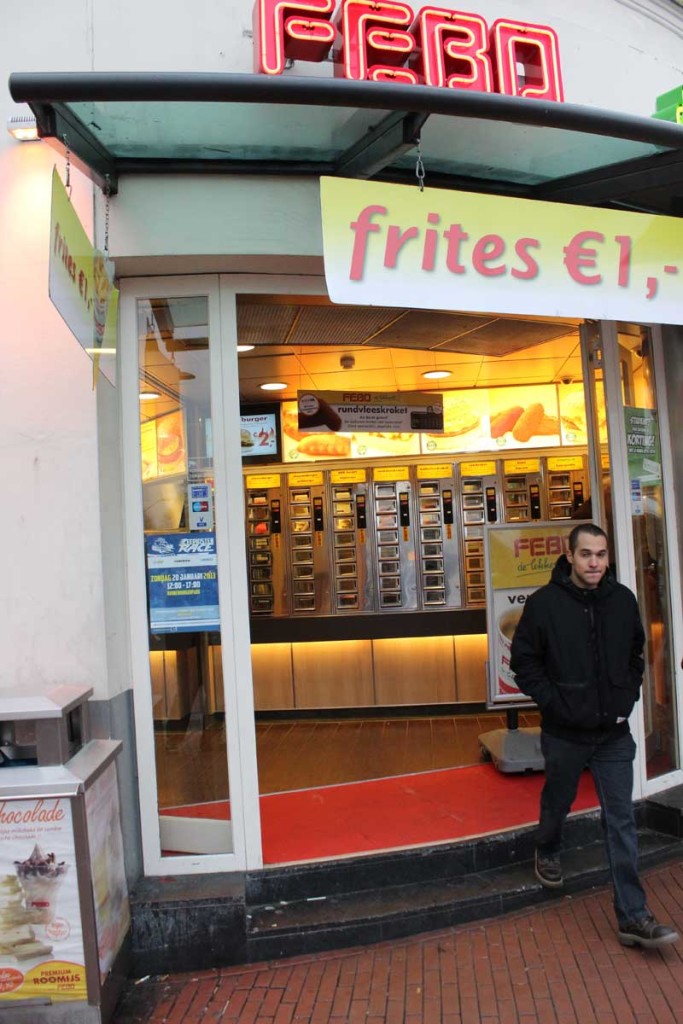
(398, 246)
(81, 283)
(182, 582)
(366, 411)
(518, 560)
(41, 941)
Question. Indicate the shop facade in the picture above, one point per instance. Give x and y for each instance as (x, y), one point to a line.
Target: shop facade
(201, 589)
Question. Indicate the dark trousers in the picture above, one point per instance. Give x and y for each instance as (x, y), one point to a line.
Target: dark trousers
(610, 761)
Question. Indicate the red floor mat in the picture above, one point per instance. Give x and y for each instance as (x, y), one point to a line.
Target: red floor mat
(408, 810)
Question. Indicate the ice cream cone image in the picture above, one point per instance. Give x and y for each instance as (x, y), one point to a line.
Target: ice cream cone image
(41, 878)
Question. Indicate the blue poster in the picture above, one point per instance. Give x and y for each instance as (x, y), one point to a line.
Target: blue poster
(182, 582)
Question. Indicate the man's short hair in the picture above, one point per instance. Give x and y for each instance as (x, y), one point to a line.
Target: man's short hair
(591, 528)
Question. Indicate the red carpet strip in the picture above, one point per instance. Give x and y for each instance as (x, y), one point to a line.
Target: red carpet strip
(382, 814)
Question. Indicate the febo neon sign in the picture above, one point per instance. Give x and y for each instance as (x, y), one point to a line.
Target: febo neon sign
(383, 41)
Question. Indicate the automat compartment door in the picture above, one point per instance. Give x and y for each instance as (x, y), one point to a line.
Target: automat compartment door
(394, 523)
(266, 544)
(308, 521)
(438, 543)
(480, 499)
(523, 497)
(353, 577)
(567, 485)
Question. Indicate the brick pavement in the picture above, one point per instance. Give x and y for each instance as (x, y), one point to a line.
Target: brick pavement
(557, 964)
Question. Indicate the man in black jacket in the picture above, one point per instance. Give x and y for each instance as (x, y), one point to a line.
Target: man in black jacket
(578, 652)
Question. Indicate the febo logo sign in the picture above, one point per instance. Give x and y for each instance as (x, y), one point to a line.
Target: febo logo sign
(383, 41)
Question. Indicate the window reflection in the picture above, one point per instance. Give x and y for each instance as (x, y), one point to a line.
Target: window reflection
(643, 446)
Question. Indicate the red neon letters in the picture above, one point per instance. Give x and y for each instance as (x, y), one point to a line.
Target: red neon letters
(382, 40)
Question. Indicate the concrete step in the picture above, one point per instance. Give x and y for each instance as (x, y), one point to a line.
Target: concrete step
(377, 913)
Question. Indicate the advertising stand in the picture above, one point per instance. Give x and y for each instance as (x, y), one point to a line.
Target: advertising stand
(518, 559)
(64, 914)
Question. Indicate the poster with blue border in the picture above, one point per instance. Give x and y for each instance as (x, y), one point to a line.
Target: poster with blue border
(182, 582)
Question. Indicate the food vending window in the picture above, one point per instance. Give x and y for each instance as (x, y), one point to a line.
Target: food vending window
(177, 477)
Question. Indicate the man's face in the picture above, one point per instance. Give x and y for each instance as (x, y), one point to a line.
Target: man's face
(588, 561)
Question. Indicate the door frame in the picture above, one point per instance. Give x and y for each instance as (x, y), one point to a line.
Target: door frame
(239, 718)
(623, 527)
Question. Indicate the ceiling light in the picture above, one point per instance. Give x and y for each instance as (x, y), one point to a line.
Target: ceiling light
(245, 348)
(436, 374)
(149, 396)
(23, 128)
(274, 386)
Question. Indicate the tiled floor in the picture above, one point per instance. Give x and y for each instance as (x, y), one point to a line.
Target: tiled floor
(561, 964)
(192, 766)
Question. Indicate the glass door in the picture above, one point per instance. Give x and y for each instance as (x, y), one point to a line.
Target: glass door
(187, 578)
(622, 392)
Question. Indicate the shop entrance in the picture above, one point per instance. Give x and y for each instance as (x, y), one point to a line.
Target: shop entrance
(369, 644)
(356, 563)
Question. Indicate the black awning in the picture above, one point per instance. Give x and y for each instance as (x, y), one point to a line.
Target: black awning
(161, 123)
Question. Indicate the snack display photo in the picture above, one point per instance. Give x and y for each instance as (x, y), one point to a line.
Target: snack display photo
(465, 416)
(524, 417)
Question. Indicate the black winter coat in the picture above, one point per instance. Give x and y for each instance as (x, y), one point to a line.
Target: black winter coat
(579, 654)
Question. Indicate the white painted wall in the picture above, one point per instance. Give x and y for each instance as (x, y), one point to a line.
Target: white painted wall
(617, 54)
(51, 618)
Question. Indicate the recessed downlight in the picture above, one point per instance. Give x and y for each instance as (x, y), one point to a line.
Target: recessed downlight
(245, 348)
(149, 396)
(274, 385)
(436, 374)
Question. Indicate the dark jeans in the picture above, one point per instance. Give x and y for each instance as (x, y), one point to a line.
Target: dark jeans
(611, 764)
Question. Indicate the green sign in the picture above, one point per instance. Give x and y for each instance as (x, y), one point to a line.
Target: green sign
(642, 445)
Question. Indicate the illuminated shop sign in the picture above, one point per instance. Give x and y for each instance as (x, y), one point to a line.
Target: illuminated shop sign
(384, 41)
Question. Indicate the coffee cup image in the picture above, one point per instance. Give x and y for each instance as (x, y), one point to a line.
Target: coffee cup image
(507, 623)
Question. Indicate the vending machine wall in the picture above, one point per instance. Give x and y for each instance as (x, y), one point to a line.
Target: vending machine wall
(353, 578)
(395, 539)
(309, 555)
(266, 545)
(522, 490)
(479, 488)
(439, 536)
(566, 484)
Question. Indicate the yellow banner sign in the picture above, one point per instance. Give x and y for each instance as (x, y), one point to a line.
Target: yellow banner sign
(460, 250)
(81, 283)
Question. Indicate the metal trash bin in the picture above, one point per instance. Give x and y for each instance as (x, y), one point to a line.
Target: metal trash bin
(64, 913)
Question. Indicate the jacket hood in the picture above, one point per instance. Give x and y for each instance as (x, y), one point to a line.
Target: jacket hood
(561, 575)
